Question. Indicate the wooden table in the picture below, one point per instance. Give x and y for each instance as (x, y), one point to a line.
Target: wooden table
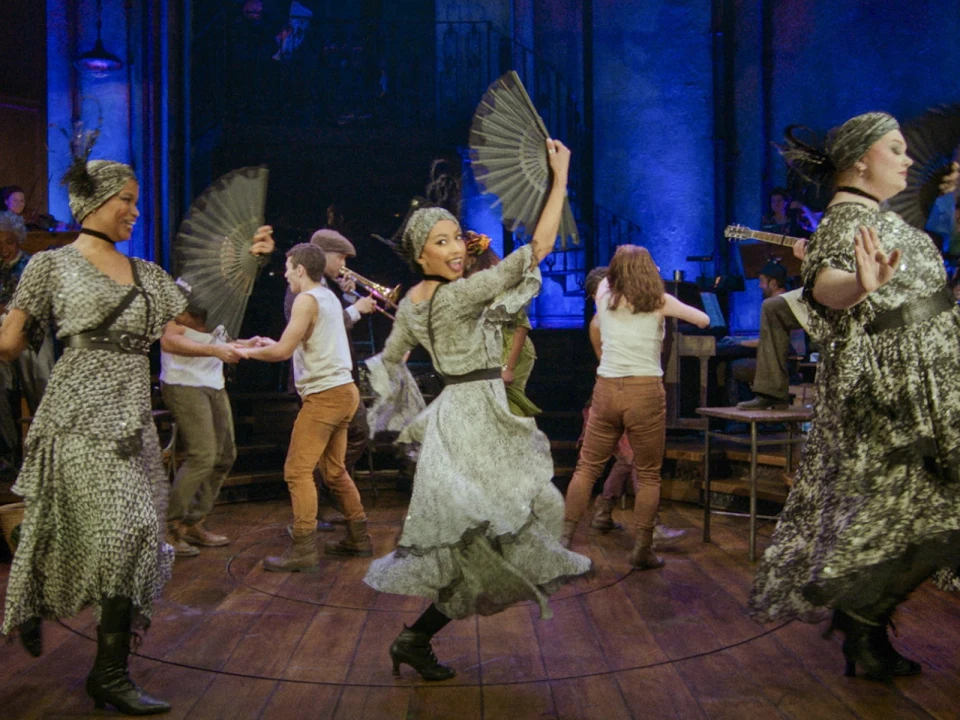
(791, 417)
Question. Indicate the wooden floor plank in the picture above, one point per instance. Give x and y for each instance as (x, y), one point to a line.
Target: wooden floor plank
(301, 701)
(326, 649)
(271, 640)
(511, 702)
(620, 629)
(659, 693)
(567, 642)
(374, 703)
(509, 651)
(233, 698)
(591, 697)
(434, 703)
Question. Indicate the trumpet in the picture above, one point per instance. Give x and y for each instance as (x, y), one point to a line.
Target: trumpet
(380, 293)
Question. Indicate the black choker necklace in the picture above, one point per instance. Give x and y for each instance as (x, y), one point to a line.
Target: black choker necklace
(97, 234)
(436, 278)
(857, 191)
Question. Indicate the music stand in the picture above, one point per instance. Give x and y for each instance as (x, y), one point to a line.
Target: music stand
(754, 256)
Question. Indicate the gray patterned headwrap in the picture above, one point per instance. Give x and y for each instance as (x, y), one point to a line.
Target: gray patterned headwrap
(418, 228)
(102, 180)
(850, 142)
(845, 145)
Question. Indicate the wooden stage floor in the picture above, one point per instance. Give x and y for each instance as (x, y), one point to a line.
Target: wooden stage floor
(232, 641)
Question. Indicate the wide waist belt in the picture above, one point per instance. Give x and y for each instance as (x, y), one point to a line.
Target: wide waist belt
(484, 374)
(915, 312)
(112, 340)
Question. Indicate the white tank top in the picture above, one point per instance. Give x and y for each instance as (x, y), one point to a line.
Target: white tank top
(323, 362)
(193, 371)
(630, 342)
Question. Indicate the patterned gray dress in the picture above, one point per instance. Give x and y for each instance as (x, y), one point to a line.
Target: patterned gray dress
(482, 531)
(879, 481)
(92, 478)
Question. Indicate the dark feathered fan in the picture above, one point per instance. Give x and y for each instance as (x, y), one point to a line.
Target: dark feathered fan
(932, 141)
(212, 247)
(508, 153)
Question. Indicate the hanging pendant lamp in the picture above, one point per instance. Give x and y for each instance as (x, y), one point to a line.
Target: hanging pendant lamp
(99, 61)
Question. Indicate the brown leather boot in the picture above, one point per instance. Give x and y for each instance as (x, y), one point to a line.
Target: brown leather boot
(603, 517)
(566, 535)
(356, 543)
(197, 534)
(643, 557)
(181, 548)
(301, 556)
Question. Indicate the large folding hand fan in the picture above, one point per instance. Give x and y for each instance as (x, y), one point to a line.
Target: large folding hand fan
(212, 247)
(508, 152)
(932, 141)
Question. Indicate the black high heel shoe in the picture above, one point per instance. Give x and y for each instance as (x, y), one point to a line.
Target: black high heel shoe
(896, 664)
(414, 650)
(31, 635)
(870, 646)
(860, 648)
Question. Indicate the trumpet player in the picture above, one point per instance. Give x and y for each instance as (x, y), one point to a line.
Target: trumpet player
(337, 249)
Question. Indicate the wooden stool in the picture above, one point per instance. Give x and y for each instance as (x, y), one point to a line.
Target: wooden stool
(791, 417)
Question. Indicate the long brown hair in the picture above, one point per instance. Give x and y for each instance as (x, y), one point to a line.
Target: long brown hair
(635, 278)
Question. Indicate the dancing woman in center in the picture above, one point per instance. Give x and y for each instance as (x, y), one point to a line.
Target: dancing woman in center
(483, 527)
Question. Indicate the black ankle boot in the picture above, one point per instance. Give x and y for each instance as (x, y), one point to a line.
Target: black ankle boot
(861, 646)
(31, 636)
(895, 663)
(414, 650)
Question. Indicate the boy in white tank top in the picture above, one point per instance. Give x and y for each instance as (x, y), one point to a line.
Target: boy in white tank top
(316, 339)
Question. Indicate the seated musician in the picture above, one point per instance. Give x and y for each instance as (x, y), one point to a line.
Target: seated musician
(788, 217)
(780, 314)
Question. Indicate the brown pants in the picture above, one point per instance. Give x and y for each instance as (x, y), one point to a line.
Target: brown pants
(636, 406)
(320, 436)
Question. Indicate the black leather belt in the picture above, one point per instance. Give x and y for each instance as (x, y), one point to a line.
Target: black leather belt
(484, 374)
(915, 312)
(112, 340)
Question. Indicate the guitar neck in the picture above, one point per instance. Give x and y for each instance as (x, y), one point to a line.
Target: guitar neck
(773, 238)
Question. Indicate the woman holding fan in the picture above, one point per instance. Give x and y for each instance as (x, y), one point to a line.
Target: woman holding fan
(483, 525)
(875, 509)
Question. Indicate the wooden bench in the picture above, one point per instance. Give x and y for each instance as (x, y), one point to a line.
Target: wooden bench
(792, 417)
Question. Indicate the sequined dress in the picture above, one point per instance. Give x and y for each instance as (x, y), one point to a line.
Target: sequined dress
(879, 480)
(484, 520)
(92, 478)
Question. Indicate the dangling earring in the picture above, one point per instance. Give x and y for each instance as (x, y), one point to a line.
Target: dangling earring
(861, 169)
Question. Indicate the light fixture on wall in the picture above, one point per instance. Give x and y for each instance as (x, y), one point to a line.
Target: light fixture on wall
(99, 61)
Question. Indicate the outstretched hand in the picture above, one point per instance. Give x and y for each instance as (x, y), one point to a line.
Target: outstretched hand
(263, 243)
(874, 267)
